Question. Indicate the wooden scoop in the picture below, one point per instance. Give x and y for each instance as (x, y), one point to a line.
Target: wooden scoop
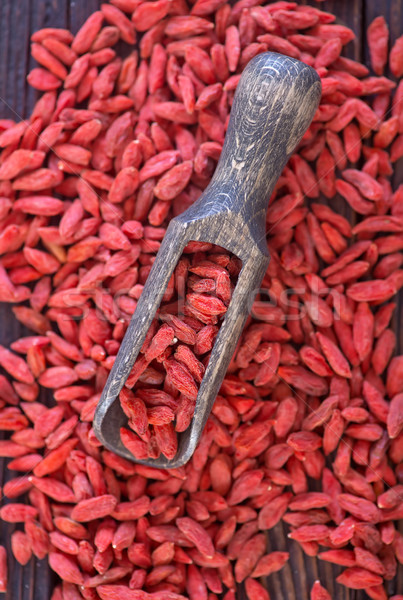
(274, 104)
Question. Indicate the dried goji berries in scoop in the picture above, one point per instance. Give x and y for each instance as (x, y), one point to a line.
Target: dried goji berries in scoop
(274, 104)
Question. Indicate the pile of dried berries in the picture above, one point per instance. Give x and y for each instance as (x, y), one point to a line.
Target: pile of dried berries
(313, 398)
(193, 307)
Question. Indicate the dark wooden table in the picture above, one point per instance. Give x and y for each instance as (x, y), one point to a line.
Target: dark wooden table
(18, 20)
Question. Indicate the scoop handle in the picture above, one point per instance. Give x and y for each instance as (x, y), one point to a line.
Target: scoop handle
(275, 101)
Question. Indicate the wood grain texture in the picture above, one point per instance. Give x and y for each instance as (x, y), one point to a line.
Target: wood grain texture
(392, 10)
(274, 104)
(18, 19)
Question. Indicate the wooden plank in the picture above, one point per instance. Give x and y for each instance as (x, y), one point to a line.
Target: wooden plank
(18, 19)
(79, 11)
(392, 11)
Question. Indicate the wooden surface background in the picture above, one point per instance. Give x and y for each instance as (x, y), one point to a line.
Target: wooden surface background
(18, 20)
